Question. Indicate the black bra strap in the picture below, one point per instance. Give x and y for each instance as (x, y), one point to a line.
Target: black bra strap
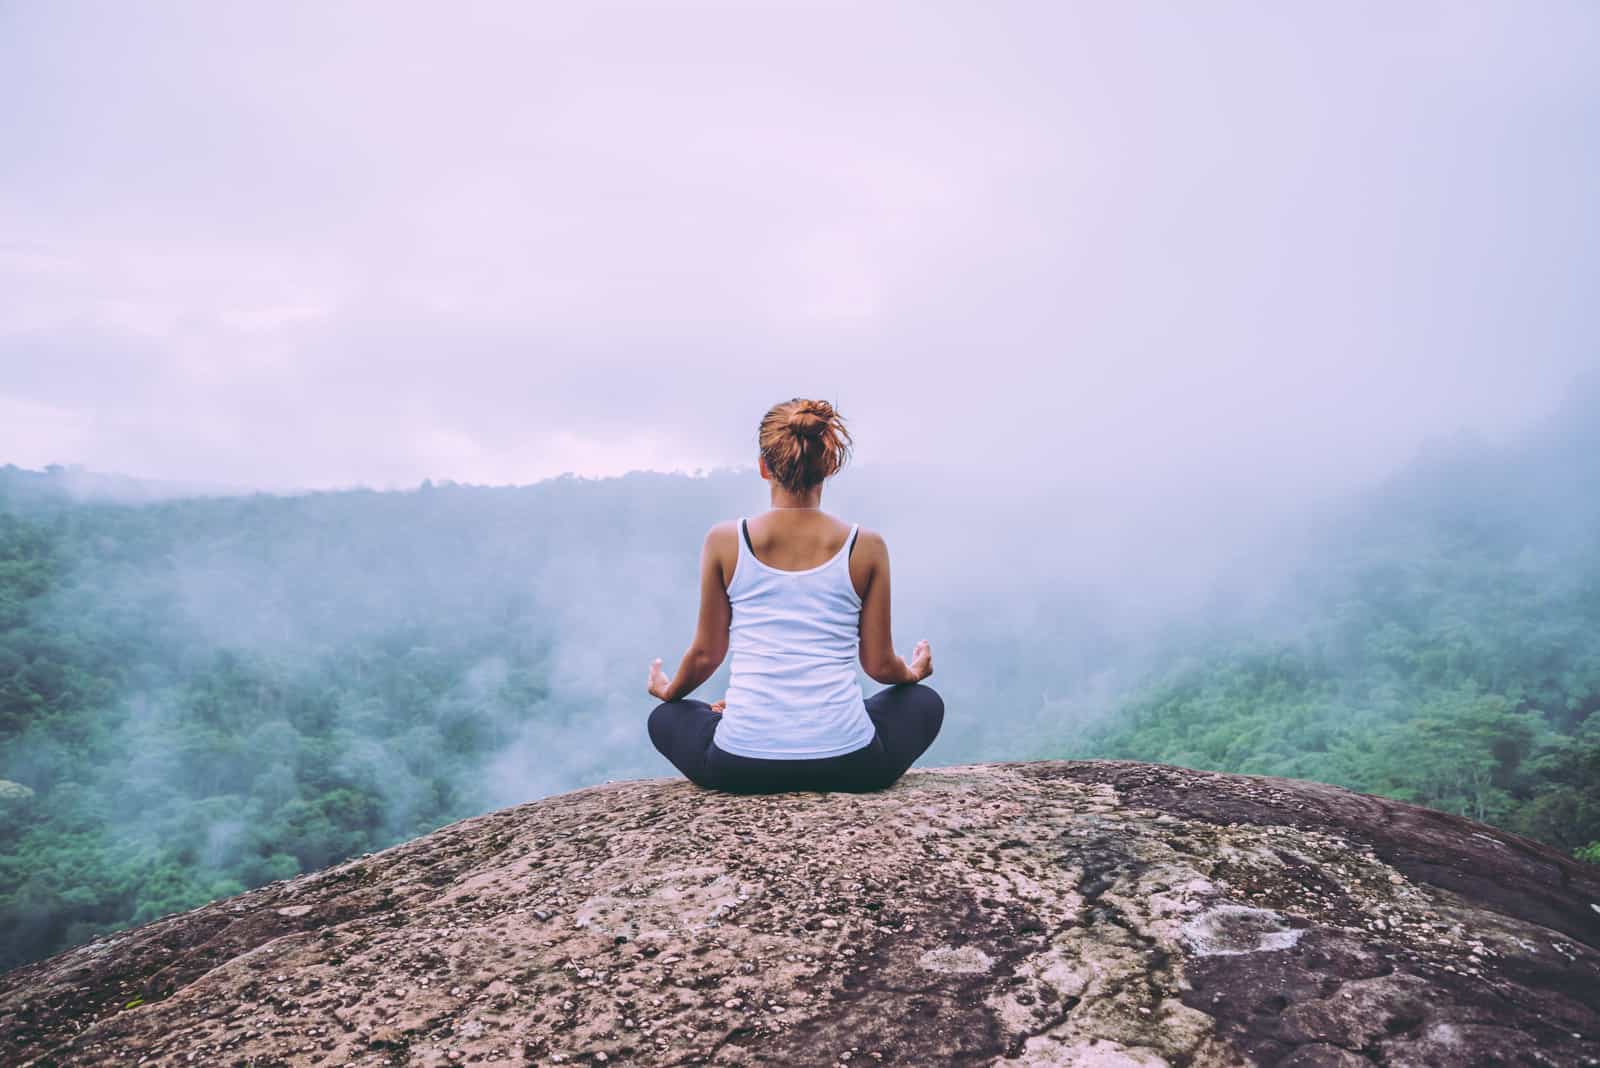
(745, 527)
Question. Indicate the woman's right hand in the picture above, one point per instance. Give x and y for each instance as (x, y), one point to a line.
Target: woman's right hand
(922, 660)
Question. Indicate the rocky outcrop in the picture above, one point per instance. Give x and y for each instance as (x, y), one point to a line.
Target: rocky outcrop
(1058, 913)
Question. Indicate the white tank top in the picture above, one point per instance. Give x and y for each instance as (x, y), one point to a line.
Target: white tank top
(794, 638)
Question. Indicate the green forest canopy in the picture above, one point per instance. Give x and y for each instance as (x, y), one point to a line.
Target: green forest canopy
(200, 696)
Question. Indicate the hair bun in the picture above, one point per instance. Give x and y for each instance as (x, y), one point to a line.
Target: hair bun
(803, 441)
(811, 418)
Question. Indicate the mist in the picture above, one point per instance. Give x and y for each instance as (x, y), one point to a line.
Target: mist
(1122, 250)
(211, 692)
(370, 375)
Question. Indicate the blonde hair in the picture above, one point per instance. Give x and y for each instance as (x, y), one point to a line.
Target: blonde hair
(803, 442)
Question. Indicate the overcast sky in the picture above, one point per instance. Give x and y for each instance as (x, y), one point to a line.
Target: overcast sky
(286, 245)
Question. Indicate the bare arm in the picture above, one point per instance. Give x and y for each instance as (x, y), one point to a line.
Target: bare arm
(878, 658)
(710, 642)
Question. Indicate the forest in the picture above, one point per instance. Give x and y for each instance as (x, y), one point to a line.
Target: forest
(200, 695)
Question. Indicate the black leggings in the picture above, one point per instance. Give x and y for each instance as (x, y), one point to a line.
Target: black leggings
(907, 719)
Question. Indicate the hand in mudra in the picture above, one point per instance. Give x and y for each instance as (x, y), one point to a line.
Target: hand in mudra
(922, 660)
(658, 680)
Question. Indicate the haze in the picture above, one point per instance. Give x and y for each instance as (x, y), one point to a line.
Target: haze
(1221, 375)
(1119, 249)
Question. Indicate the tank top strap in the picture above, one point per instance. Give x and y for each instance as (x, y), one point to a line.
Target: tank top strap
(843, 566)
(740, 567)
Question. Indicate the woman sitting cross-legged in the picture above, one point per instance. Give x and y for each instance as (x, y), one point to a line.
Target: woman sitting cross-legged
(797, 595)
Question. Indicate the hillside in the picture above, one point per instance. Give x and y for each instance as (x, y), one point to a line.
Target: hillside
(1084, 912)
(202, 696)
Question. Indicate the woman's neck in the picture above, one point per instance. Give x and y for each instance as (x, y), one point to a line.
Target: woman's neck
(782, 500)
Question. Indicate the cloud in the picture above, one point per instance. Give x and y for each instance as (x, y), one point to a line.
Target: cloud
(1124, 247)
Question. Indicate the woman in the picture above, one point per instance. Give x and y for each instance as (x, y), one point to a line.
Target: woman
(797, 595)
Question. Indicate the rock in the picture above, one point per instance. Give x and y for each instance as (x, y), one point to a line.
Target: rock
(1239, 929)
(1051, 913)
(955, 961)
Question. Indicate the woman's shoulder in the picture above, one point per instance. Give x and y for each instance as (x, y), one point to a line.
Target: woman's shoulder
(721, 549)
(723, 534)
(867, 536)
(870, 549)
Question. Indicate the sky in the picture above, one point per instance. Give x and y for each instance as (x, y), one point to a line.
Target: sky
(1125, 246)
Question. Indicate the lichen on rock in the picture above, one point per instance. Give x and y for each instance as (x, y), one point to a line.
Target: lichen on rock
(1054, 913)
(1228, 929)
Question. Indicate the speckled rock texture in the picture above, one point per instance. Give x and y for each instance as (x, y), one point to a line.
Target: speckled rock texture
(1101, 913)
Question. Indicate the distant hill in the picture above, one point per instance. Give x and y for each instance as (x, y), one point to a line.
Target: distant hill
(20, 487)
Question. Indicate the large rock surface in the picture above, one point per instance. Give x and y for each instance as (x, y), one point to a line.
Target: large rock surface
(1077, 913)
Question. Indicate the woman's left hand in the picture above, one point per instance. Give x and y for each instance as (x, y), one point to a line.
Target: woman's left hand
(658, 680)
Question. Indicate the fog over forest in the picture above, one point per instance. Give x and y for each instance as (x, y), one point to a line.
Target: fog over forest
(1221, 379)
(204, 693)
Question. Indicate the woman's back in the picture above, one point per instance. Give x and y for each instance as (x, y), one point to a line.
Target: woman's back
(799, 598)
(794, 639)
